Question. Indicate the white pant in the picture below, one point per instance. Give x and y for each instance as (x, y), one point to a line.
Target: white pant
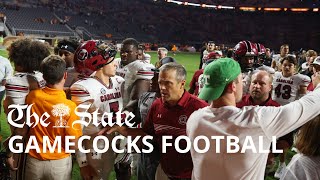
(48, 170)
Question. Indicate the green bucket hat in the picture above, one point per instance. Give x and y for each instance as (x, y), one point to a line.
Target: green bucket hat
(217, 75)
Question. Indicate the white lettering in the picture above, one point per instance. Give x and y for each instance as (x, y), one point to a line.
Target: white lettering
(47, 144)
(104, 144)
(218, 140)
(248, 144)
(146, 143)
(165, 144)
(19, 145)
(274, 145)
(132, 143)
(114, 144)
(205, 145)
(32, 144)
(69, 143)
(177, 141)
(234, 144)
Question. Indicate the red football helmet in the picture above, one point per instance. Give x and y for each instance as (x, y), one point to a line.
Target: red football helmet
(89, 57)
(245, 48)
(261, 49)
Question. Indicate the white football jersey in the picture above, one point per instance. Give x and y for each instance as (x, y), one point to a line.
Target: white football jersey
(20, 84)
(134, 71)
(92, 91)
(285, 89)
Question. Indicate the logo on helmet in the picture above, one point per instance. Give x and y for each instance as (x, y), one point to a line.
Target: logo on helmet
(82, 55)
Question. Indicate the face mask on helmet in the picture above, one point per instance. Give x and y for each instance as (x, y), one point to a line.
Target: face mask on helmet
(93, 55)
(259, 60)
(245, 49)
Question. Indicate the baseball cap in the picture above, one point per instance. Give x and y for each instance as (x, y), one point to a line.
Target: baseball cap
(316, 61)
(217, 75)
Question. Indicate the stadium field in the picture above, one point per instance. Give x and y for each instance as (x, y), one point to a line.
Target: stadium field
(189, 60)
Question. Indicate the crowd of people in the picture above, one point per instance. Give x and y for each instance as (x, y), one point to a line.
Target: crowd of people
(243, 92)
(159, 21)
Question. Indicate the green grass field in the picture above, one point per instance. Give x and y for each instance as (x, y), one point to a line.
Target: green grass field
(189, 60)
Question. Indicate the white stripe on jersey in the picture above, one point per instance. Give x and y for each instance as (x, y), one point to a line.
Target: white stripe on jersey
(135, 70)
(18, 87)
(105, 99)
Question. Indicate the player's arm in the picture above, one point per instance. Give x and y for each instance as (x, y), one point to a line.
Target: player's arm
(296, 113)
(123, 130)
(305, 81)
(140, 86)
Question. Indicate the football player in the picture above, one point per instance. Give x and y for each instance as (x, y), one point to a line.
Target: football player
(102, 91)
(287, 87)
(137, 75)
(245, 53)
(26, 55)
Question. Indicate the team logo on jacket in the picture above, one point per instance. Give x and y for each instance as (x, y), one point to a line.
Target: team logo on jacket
(103, 91)
(183, 119)
(60, 110)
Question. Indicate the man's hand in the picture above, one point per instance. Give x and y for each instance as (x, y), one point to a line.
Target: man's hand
(11, 162)
(87, 172)
(109, 130)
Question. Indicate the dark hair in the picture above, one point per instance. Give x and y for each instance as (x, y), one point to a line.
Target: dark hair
(53, 68)
(71, 43)
(308, 138)
(131, 41)
(28, 54)
(290, 59)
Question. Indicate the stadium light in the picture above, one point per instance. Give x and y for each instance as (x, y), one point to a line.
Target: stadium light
(247, 8)
(194, 4)
(227, 7)
(299, 9)
(211, 6)
(272, 9)
(244, 8)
